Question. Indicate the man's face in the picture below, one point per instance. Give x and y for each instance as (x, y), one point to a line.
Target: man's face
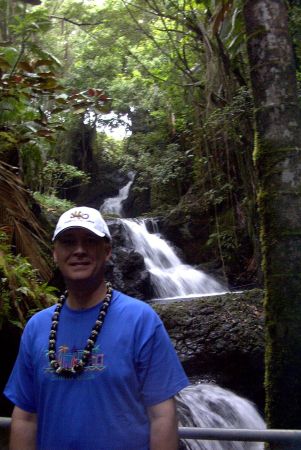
(81, 255)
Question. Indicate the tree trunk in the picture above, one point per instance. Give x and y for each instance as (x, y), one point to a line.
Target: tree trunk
(278, 160)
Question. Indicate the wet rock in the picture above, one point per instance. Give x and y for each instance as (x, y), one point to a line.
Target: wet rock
(138, 200)
(126, 268)
(221, 336)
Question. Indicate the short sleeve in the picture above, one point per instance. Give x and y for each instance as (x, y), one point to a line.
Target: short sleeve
(19, 388)
(160, 372)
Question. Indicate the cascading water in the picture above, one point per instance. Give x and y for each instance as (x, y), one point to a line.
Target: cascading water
(114, 204)
(170, 277)
(210, 406)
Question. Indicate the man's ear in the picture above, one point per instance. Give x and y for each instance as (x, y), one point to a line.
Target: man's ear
(54, 256)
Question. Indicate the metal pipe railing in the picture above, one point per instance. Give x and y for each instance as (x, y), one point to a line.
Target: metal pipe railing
(232, 434)
(5, 422)
(217, 434)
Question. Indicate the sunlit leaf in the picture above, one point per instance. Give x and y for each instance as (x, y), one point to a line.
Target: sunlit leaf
(5, 135)
(9, 54)
(80, 110)
(30, 75)
(23, 290)
(17, 324)
(31, 127)
(34, 26)
(63, 97)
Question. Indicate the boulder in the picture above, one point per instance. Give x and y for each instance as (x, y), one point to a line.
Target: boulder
(138, 201)
(105, 182)
(126, 268)
(220, 338)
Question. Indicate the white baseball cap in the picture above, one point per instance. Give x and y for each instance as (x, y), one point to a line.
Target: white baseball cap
(82, 217)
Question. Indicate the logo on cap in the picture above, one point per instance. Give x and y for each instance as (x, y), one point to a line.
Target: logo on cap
(79, 215)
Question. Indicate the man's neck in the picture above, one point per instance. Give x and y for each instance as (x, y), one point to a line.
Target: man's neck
(83, 297)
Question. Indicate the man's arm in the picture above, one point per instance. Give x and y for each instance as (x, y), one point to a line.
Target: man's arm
(23, 430)
(163, 426)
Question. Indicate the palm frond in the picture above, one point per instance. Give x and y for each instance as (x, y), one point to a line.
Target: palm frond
(19, 222)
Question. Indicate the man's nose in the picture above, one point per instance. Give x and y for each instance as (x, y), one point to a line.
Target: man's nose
(79, 247)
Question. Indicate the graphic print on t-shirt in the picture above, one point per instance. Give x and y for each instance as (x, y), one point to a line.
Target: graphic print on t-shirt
(69, 357)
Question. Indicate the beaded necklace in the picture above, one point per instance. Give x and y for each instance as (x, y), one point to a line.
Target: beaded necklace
(78, 367)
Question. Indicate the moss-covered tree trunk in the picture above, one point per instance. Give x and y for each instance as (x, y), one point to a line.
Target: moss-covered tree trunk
(278, 160)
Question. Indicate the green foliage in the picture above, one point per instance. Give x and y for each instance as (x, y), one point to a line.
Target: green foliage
(173, 165)
(33, 101)
(218, 195)
(295, 30)
(53, 204)
(31, 116)
(143, 156)
(56, 176)
(109, 150)
(177, 69)
(21, 291)
(31, 22)
(227, 241)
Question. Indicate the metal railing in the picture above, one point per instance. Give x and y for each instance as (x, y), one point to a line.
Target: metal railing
(214, 434)
(5, 422)
(232, 434)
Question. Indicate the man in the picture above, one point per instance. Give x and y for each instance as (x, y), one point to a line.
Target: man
(97, 371)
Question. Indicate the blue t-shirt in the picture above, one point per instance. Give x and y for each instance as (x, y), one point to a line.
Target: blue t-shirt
(133, 366)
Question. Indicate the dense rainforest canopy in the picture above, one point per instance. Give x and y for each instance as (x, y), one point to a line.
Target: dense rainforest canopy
(176, 75)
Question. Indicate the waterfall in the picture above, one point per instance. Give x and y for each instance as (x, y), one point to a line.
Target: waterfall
(170, 277)
(114, 204)
(210, 406)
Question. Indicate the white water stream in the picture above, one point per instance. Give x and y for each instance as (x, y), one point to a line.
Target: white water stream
(113, 205)
(170, 277)
(210, 406)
